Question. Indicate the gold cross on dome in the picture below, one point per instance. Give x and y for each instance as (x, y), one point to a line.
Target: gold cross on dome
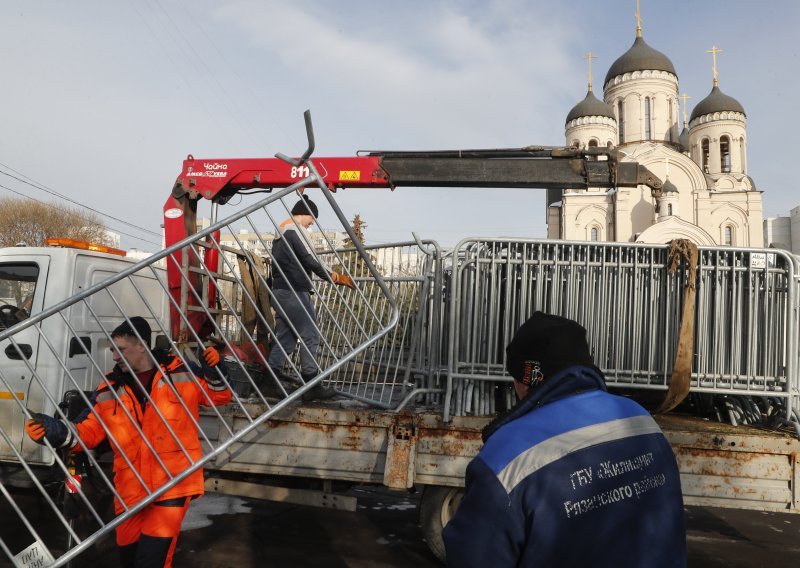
(638, 20)
(713, 51)
(590, 56)
(684, 96)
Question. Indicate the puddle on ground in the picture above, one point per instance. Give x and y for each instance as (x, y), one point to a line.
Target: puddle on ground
(209, 505)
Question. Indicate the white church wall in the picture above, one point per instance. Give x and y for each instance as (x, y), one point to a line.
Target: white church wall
(632, 89)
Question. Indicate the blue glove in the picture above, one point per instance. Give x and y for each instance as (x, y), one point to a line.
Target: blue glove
(42, 426)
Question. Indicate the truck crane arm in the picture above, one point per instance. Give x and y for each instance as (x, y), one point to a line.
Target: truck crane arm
(529, 167)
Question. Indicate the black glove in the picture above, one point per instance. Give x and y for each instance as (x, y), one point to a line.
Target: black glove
(42, 426)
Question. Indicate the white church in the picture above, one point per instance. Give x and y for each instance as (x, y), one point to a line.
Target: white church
(708, 196)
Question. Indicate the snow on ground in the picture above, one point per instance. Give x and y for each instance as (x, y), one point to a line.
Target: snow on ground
(201, 509)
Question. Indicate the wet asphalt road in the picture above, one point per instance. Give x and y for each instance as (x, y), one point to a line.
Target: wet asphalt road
(224, 532)
(384, 532)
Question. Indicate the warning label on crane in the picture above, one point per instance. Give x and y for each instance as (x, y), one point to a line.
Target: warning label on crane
(349, 175)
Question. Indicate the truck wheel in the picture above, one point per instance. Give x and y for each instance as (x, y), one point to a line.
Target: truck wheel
(438, 506)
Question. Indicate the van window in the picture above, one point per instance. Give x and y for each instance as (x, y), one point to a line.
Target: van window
(17, 287)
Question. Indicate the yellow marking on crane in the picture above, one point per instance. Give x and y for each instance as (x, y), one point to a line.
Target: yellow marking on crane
(349, 175)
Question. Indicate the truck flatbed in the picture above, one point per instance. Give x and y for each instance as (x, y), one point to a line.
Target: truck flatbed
(721, 465)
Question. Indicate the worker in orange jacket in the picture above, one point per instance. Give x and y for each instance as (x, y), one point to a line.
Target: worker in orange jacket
(149, 537)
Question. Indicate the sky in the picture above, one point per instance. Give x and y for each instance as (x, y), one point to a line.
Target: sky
(101, 101)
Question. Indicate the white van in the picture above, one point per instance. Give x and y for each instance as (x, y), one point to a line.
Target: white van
(69, 350)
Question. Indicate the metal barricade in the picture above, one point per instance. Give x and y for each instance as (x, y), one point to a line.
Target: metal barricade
(630, 303)
(42, 522)
(404, 363)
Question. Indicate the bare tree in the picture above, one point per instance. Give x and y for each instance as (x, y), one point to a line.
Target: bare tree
(32, 222)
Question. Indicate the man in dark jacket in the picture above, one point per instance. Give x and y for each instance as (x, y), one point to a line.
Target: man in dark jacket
(293, 265)
(572, 475)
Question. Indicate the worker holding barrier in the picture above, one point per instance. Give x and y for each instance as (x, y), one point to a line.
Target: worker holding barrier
(293, 264)
(142, 390)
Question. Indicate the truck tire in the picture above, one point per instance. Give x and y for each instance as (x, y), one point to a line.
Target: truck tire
(438, 506)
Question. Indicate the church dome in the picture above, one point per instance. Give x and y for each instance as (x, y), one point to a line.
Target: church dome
(640, 57)
(683, 139)
(590, 106)
(669, 187)
(716, 101)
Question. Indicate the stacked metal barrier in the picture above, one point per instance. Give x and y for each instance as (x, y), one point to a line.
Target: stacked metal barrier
(42, 523)
(400, 365)
(630, 303)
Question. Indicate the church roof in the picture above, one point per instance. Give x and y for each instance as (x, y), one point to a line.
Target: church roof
(669, 187)
(683, 139)
(716, 101)
(639, 58)
(590, 106)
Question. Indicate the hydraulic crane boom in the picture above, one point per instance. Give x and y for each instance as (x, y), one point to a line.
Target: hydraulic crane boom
(547, 168)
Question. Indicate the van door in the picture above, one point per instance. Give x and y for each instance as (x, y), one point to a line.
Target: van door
(136, 295)
(22, 289)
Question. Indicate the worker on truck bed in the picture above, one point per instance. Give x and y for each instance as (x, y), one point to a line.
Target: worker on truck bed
(572, 475)
(293, 264)
(149, 537)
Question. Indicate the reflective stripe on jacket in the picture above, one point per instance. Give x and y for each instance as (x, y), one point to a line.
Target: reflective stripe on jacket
(180, 429)
(120, 409)
(573, 476)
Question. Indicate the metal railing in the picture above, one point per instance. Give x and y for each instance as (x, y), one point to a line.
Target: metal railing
(630, 303)
(394, 370)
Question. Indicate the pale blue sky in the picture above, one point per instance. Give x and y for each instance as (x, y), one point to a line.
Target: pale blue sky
(101, 101)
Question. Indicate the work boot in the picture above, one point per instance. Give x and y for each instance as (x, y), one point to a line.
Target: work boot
(319, 392)
(269, 386)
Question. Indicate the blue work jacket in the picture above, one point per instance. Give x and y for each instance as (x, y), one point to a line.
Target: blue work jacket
(572, 476)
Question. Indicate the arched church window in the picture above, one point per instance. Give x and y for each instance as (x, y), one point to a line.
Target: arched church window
(648, 127)
(725, 153)
(621, 121)
(669, 209)
(704, 154)
(595, 234)
(592, 144)
(728, 236)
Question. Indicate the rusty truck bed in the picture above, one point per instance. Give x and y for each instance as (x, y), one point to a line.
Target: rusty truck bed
(720, 464)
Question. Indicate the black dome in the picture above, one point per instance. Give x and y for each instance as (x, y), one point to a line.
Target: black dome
(683, 139)
(716, 101)
(590, 106)
(639, 58)
(669, 187)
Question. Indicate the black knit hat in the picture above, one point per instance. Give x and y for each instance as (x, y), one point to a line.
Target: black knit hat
(544, 345)
(305, 207)
(126, 329)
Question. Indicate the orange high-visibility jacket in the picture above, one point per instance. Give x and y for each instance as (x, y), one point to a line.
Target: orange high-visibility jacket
(119, 410)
